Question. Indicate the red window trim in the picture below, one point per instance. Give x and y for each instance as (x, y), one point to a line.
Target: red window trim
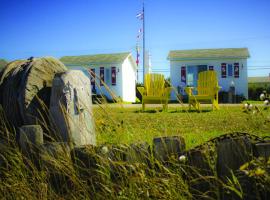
(113, 75)
(101, 75)
(92, 76)
(183, 75)
(236, 70)
(223, 70)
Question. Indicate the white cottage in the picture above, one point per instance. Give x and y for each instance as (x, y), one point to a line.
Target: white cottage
(114, 73)
(230, 65)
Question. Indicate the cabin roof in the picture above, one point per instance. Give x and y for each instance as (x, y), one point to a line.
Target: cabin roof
(96, 59)
(227, 53)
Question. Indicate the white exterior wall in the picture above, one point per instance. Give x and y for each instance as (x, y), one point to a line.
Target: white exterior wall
(115, 89)
(129, 81)
(241, 83)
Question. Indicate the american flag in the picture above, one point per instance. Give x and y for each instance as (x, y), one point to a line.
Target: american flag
(138, 55)
(140, 16)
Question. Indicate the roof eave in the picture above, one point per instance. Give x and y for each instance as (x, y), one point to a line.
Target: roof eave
(86, 64)
(209, 58)
(132, 61)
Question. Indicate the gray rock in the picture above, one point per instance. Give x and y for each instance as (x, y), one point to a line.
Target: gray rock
(231, 154)
(263, 150)
(71, 108)
(30, 136)
(201, 163)
(56, 150)
(167, 148)
(139, 153)
(55, 161)
(85, 159)
(31, 139)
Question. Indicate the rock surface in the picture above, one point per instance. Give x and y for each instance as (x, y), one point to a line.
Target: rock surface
(71, 108)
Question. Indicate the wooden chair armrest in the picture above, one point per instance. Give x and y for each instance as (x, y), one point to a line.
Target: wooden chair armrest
(189, 90)
(141, 90)
(167, 91)
(217, 88)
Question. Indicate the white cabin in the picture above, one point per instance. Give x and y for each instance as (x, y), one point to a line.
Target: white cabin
(113, 74)
(230, 65)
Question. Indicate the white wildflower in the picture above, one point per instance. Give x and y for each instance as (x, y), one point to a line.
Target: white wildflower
(104, 150)
(182, 158)
(262, 96)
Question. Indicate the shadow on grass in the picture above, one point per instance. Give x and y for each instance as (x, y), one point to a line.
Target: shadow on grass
(172, 111)
(189, 111)
(148, 111)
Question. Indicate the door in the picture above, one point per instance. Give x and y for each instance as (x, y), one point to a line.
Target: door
(202, 68)
(192, 76)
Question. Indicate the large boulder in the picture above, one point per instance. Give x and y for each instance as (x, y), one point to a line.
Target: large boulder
(71, 108)
(25, 88)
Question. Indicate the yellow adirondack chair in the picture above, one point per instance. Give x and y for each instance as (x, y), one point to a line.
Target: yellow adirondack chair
(155, 91)
(207, 91)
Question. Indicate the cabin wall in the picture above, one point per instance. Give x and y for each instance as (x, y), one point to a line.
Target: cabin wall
(241, 83)
(129, 81)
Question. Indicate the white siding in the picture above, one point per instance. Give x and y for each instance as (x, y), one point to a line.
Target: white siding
(241, 83)
(129, 81)
(109, 88)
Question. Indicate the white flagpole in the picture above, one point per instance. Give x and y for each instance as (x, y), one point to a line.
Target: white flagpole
(143, 42)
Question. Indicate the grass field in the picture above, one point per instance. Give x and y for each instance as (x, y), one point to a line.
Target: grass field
(98, 175)
(130, 125)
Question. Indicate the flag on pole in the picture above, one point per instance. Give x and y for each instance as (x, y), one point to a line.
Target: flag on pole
(139, 34)
(140, 16)
(138, 55)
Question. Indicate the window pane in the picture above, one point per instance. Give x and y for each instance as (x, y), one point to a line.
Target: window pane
(183, 75)
(223, 70)
(113, 75)
(230, 70)
(101, 75)
(107, 77)
(236, 70)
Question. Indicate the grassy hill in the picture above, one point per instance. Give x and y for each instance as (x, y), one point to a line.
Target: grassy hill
(2, 63)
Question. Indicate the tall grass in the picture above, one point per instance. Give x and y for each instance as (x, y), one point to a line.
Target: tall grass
(105, 171)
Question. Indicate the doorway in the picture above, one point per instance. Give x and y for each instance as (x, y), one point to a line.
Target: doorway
(192, 74)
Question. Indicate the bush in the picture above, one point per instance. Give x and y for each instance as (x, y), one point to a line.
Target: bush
(223, 97)
(255, 90)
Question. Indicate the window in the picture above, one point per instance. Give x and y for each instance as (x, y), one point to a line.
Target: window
(93, 76)
(101, 74)
(108, 77)
(183, 75)
(92, 80)
(113, 75)
(223, 70)
(236, 70)
(230, 70)
(211, 68)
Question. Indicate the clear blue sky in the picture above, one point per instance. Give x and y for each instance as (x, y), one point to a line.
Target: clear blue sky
(77, 27)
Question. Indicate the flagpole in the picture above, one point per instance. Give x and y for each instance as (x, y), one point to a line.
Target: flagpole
(143, 41)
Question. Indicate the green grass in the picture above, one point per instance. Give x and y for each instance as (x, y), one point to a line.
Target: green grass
(116, 179)
(253, 102)
(130, 125)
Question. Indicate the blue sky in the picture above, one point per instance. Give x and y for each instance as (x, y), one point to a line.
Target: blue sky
(68, 27)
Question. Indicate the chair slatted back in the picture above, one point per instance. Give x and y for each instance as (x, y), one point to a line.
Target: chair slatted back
(207, 82)
(154, 84)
